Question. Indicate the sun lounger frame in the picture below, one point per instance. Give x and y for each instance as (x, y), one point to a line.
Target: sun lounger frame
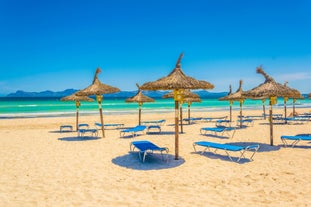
(106, 126)
(295, 139)
(82, 132)
(146, 147)
(227, 148)
(133, 130)
(68, 127)
(218, 129)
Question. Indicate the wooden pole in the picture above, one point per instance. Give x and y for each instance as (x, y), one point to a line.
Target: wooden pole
(271, 124)
(77, 114)
(285, 111)
(181, 119)
(230, 111)
(139, 114)
(188, 112)
(241, 124)
(176, 131)
(77, 117)
(99, 101)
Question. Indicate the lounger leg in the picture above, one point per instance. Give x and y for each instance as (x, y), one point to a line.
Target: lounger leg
(145, 153)
(284, 142)
(228, 155)
(242, 155)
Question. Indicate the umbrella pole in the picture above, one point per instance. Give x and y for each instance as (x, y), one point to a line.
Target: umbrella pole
(176, 130)
(271, 124)
(139, 115)
(230, 113)
(241, 114)
(99, 99)
(77, 117)
(188, 113)
(181, 121)
(285, 112)
(294, 111)
(264, 111)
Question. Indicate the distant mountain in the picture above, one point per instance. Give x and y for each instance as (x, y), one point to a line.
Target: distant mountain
(47, 93)
(121, 94)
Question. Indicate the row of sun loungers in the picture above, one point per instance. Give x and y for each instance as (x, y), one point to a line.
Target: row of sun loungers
(145, 147)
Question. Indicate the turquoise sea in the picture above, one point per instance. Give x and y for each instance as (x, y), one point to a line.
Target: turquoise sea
(46, 107)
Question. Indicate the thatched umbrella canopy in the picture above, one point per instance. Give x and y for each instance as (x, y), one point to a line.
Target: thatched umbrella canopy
(77, 99)
(177, 81)
(97, 88)
(309, 95)
(140, 98)
(189, 97)
(237, 96)
(269, 89)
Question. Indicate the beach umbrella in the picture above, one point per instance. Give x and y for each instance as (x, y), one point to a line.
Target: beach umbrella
(295, 94)
(309, 95)
(77, 99)
(189, 101)
(189, 97)
(269, 89)
(178, 82)
(230, 101)
(140, 98)
(97, 88)
(237, 96)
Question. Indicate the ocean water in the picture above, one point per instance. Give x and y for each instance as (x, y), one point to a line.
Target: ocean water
(46, 107)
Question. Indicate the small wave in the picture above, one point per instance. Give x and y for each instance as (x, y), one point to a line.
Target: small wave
(30, 105)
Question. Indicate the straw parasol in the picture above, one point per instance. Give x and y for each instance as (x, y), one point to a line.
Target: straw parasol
(97, 88)
(295, 94)
(269, 89)
(237, 96)
(140, 98)
(189, 97)
(178, 82)
(77, 99)
(309, 95)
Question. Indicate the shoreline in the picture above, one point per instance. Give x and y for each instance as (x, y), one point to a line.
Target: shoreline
(135, 111)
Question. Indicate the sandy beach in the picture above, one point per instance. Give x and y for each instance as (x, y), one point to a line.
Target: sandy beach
(42, 167)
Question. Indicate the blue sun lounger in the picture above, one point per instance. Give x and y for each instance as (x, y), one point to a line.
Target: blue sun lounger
(106, 126)
(227, 148)
(295, 139)
(146, 147)
(133, 131)
(248, 122)
(218, 130)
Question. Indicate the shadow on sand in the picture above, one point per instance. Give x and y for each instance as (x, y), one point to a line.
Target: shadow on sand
(153, 161)
(78, 139)
(215, 136)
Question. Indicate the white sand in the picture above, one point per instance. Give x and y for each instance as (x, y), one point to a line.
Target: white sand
(41, 167)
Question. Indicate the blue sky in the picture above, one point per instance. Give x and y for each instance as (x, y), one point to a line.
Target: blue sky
(55, 45)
